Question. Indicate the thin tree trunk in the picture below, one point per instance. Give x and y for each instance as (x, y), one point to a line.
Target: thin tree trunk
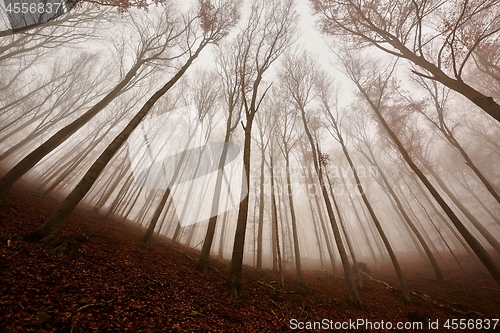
(346, 235)
(428, 252)
(322, 220)
(450, 227)
(261, 211)
(298, 265)
(274, 215)
(481, 203)
(220, 255)
(318, 238)
(353, 292)
(479, 226)
(358, 218)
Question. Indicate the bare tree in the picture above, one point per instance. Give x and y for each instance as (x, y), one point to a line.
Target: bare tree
(437, 36)
(365, 148)
(267, 33)
(330, 109)
(286, 130)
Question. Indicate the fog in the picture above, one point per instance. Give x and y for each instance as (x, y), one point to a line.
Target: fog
(186, 120)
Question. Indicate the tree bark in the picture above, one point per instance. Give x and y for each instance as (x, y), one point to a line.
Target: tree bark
(298, 265)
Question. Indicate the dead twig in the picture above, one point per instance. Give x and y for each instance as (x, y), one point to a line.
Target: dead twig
(159, 282)
(267, 285)
(88, 306)
(388, 286)
(184, 254)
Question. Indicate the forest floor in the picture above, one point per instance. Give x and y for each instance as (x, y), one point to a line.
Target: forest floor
(99, 277)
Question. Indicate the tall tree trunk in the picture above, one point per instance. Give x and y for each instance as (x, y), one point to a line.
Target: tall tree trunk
(168, 190)
(470, 164)
(120, 196)
(274, 215)
(323, 228)
(441, 125)
(475, 222)
(346, 235)
(358, 218)
(439, 233)
(71, 164)
(296, 247)
(456, 235)
(261, 211)
(234, 280)
(220, 253)
(481, 203)
(318, 237)
(156, 215)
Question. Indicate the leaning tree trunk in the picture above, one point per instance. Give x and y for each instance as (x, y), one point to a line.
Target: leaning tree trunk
(456, 236)
(70, 165)
(439, 233)
(481, 203)
(346, 235)
(168, 190)
(51, 227)
(323, 228)
(475, 222)
(358, 218)
(470, 164)
(296, 247)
